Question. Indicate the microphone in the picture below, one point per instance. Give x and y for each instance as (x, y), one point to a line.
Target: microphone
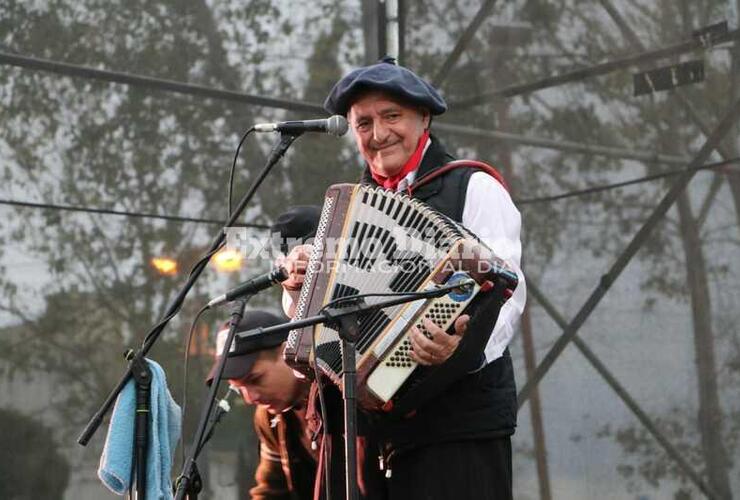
(223, 407)
(252, 286)
(334, 125)
(225, 404)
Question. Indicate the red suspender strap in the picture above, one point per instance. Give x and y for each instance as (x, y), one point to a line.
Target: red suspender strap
(478, 165)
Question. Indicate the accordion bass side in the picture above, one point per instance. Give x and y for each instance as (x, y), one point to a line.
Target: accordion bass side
(373, 241)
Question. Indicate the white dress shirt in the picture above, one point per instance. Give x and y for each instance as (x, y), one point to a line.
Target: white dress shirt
(490, 213)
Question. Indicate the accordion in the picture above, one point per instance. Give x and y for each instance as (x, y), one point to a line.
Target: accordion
(373, 241)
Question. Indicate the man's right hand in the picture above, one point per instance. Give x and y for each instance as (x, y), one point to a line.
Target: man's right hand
(295, 263)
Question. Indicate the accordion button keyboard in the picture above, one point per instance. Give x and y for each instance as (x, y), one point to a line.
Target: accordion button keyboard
(397, 366)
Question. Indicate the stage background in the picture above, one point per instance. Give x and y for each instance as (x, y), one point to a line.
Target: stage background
(77, 287)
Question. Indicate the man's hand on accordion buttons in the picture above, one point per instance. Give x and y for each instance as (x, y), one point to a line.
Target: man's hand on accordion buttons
(295, 263)
(437, 349)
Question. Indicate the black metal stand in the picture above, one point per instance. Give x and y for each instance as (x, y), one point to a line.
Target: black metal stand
(337, 314)
(143, 378)
(346, 319)
(189, 470)
(349, 332)
(195, 484)
(93, 424)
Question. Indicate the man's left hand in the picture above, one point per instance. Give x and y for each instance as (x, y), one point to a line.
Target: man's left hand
(437, 349)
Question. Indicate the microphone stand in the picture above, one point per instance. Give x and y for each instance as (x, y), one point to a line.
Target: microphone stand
(195, 484)
(346, 319)
(143, 379)
(349, 332)
(278, 151)
(189, 469)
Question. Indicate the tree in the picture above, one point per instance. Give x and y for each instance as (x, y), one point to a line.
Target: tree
(670, 123)
(31, 465)
(602, 111)
(81, 142)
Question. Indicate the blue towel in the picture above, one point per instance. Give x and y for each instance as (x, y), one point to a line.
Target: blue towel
(164, 432)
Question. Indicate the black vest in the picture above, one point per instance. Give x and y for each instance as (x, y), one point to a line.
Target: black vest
(481, 404)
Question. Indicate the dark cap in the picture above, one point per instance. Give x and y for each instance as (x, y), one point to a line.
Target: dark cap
(246, 350)
(298, 223)
(388, 77)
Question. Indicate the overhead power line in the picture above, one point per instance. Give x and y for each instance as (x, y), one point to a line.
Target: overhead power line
(520, 201)
(639, 180)
(123, 213)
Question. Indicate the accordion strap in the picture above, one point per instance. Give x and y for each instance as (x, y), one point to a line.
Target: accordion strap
(477, 165)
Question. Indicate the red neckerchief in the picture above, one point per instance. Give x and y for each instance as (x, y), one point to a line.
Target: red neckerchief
(411, 165)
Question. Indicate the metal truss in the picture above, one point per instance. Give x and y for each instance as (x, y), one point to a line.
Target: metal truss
(463, 42)
(159, 84)
(597, 70)
(679, 185)
(713, 141)
(133, 80)
(621, 392)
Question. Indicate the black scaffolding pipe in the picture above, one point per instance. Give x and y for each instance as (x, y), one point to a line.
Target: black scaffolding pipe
(568, 146)
(198, 91)
(463, 42)
(373, 30)
(635, 42)
(123, 213)
(596, 70)
(155, 83)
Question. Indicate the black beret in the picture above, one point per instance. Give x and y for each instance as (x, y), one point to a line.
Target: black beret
(388, 77)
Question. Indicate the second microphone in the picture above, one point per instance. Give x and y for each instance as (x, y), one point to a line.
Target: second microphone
(255, 285)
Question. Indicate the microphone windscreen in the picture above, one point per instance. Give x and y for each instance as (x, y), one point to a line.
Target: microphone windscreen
(337, 125)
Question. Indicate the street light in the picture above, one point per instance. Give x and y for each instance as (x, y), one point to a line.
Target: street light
(228, 260)
(164, 265)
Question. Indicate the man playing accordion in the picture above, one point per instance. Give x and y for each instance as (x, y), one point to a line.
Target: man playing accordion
(457, 445)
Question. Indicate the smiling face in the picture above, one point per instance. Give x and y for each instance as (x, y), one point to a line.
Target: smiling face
(386, 131)
(271, 383)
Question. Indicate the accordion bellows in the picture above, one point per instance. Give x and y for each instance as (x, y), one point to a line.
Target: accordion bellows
(373, 241)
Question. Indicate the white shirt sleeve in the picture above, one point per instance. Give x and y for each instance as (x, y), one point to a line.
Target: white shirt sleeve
(289, 301)
(490, 214)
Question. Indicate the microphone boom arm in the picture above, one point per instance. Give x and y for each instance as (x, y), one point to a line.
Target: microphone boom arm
(279, 149)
